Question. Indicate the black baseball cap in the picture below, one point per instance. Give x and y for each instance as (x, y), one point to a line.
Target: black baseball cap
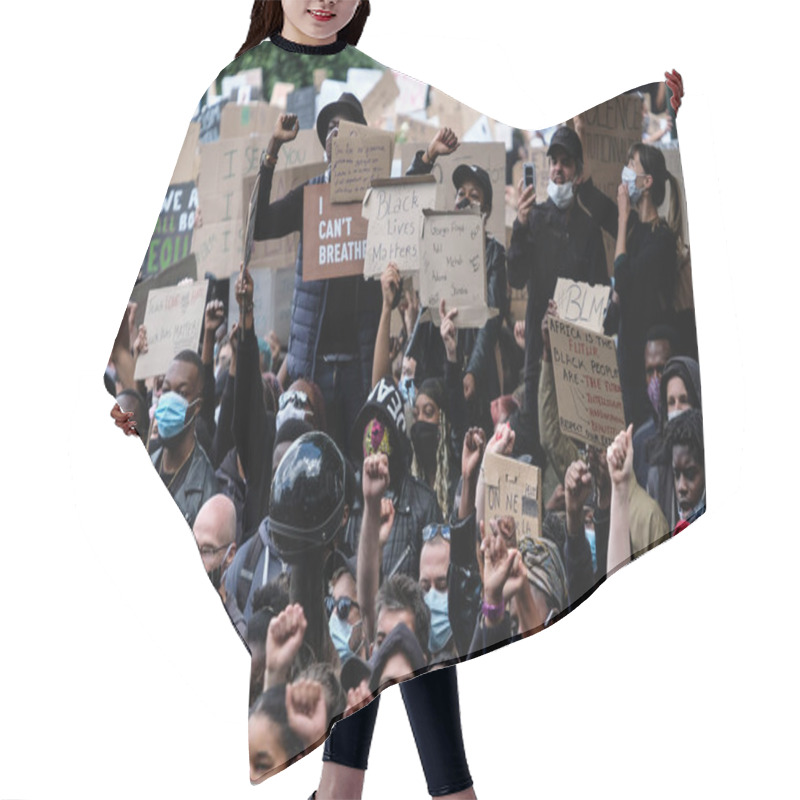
(477, 174)
(567, 139)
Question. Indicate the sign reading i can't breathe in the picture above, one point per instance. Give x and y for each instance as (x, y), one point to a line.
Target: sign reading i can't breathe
(172, 237)
(334, 236)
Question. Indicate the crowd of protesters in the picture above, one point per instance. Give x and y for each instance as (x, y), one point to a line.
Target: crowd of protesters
(334, 483)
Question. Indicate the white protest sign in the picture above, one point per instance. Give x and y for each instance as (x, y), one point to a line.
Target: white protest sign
(582, 303)
(394, 210)
(453, 266)
(174, 319)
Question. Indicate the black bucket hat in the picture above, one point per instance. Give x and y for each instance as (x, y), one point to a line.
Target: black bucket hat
(347, 106)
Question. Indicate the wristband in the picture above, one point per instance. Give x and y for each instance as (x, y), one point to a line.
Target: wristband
(492, 613)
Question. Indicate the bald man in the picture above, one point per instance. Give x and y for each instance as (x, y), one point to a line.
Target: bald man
(215, 533)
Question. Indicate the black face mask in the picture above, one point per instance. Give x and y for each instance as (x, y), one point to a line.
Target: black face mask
(425, 437)
(215, 576)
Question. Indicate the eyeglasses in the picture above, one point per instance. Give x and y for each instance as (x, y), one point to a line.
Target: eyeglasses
(435, 529)
(342, 606)
(206, 551)
(296, 398)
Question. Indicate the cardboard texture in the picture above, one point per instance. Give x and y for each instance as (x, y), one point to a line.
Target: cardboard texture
(452, 113)
(454, 266)
(334, 236)
(185, 268)
(582, 303)
(513, 489)
(238, 121)
(588, 392)
(378, 105)
(359, 155)
(394, 210)
(491, 156)
(187, 167)
(174, 320)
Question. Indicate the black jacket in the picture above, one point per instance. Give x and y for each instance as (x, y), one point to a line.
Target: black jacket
(415, 507)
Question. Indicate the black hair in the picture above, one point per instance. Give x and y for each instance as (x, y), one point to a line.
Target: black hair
(324, 674)
(266, 19)
(191, 357)
(665, 332)
(292, 429)
(400, 592)
(686, 429)
(272, 704)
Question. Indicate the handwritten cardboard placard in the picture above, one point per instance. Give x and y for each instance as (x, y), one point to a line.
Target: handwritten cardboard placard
(452, 113)
(185, 268)
(454, 266)
(209, 120)
(280, 91)
(334, 236)
(582, 303)
(588, 391)
(394, 210)
(377, 103)
(513, 489)
(412, 129)
(412, 94)
(491, 156)
(174, 319)
(359, 155)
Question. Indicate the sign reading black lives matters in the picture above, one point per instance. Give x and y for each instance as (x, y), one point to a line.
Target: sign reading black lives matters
(172, 238)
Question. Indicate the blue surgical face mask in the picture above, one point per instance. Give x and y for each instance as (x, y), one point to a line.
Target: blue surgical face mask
(629, 177)
(170, 415)
(340, 632)
(560, 193)
(440, 619)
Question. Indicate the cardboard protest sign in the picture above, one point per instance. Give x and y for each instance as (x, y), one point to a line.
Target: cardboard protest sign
(380, 101)
(412, 129)
(334, 236)
(588, 391)
(302, 150)
(320, 75)
(303, 103)
(280, 91)
(394, 210)
(172, 238)
(452, 113)
(359, 155)
(272, 301)
(174, 320)
(582, 303)
(454, 266)
(278, 253)
(607, 132)
(187, 167)
(412, 95)
(238, 121)
(491, 156)
(171, 276)
(513, 489)
(217, 247)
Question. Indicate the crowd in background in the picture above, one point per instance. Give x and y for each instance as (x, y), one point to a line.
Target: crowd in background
(335, 484)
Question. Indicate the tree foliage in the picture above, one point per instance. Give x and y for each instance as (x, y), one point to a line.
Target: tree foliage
(277, 64)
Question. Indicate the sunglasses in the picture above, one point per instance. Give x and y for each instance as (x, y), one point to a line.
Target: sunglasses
(342, 606)
(435, 529)
(296, 398)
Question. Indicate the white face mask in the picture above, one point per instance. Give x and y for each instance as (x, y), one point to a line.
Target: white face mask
(560, 193)
(674, 413)
(629, 177)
